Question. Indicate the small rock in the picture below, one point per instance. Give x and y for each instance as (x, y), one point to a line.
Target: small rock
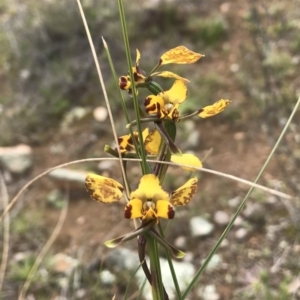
(221, 217)
(272, 200)
(73, 177)
(189, 257)
(7, 176)
(234, 202)
(24, 74)
(17, 160)
(224, 244)
(100, 113)
(225, 7)
(106, 165)
(63, 263)
(254, 212)
(107, 277)
(239, 136)
(189, 126)
(54, 196)
(209, 293)
(20, 256)
(241, 233)
(193, 139)
(80, 294)
(180, 242)
(200, 227)
(238, 221)
(234, 68)
(294, 286)
(57, 148)
(81, 220)
(214, 263)
(77, 113)
(122, 259)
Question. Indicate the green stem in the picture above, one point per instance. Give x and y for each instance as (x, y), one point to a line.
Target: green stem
(124, 108)
(144, 120)
(157, 285)
(171, 266)
(145, 167)
(112, 68)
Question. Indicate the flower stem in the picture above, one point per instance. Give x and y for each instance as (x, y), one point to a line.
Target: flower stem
(141, 150)
(156, 280)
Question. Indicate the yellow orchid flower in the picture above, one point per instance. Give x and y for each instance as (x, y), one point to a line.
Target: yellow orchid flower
(126, 143)
(138, 74)
(177, 55)
(148, 201)
(152, 142)
(166, 104)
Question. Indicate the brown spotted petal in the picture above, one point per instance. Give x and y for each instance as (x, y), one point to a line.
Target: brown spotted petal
(103, 189)
(124, 83)
(184, 194)
(153, 142)
(168, 74)
(126, 143)
(155, 106)
(179, 55)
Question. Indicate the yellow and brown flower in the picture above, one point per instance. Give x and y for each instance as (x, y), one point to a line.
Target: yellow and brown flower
(148, 202)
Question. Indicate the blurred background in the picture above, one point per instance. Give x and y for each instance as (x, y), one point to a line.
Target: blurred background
(52, 111)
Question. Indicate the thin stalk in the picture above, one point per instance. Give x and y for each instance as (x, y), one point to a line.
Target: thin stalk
(227, 229)
(99, 72)
(111, 64)
(113, 70)
(157, 290)
(158, 268)
(171, 266)
(130, 280)
(173, 273)
(141, 290)
(146, 120)
(145, 168)
(6, 223)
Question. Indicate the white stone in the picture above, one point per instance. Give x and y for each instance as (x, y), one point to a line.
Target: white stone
(234, 202)
(100, 113)
(107, 277)
(210, 293)
(200, 227)
(63, 263)
(180, 242)
(241, 233)
(68, 175)
(224, 244)
(193, 139)
(238, 221)
(76, 114)
(221, 217)
(16, 160)
(234, 68)
(214, 263)
(106, 165)
(225, 7)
